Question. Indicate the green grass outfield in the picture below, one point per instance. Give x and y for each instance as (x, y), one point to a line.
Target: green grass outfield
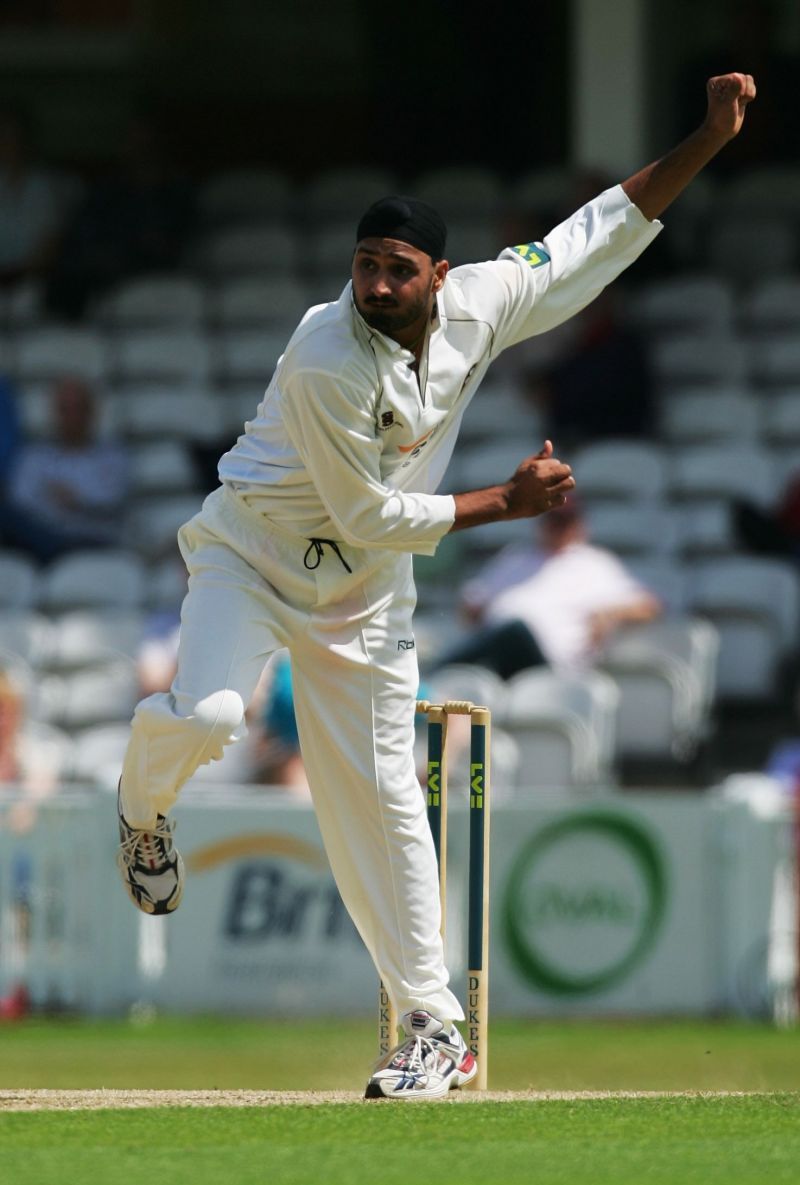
(618, 1141)
(752, 1141)
(213, 1053)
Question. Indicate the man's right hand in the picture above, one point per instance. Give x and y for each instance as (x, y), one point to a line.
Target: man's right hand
(539, 483)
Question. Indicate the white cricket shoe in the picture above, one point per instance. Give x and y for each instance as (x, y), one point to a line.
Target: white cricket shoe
(150, 865)
(426, 1065)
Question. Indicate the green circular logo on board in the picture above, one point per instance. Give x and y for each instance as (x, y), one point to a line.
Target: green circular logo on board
(584, 902)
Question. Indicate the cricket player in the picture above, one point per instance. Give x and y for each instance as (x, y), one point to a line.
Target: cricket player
(307, 544)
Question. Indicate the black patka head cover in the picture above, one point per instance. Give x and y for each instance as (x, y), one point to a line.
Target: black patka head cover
(407, 219)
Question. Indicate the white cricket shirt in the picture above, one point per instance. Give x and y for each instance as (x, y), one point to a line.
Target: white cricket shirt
(348, 444)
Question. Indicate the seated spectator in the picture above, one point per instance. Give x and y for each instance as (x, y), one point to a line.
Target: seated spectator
(135, 221)
(555, 603)
(26, 762)
(9, 430)
(771, 532)
(66, 493)
(29, 209)
(280, 763)
(600, 385)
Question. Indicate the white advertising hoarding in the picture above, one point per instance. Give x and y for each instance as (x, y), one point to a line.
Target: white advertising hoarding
(622, 904)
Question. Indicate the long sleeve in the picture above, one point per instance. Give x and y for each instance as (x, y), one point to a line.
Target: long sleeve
(535, 286)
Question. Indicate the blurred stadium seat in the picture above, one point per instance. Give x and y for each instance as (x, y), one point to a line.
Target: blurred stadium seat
(93, 578)
(564, 725)
(18, 580)
(165, 300)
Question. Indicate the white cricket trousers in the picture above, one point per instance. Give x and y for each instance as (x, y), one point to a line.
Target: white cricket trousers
(355, 686)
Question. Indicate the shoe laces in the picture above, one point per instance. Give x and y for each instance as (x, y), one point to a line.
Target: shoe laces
(412, 1054)
(143, 846)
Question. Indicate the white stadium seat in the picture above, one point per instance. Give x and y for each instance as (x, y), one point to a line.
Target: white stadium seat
(565, 727)
(52, 352)
(153, 523)
(249, 354)
(25, 635)
(666, 675)
(632, 528)
(620, 469)
(157, 356)
(663, 576)
(93, 578)
(170, 412)
(245, 195)
(473, 240)
(162, 467)
(543, 189)
(98, 752)
(19, 577)
(458, 191)
(250, 302)
(155, 300)
(781, 416)
(94, 639)
(500, 412)
(723, 471)
(703, 415)
(88, 697)
(705, 527)
(463, 681)
(772, 305)
(692, 358)
(731, 244)
(755, 605)
(270, 249)
(768, 189)
(699, 303)
(776, 360)
(345, 193)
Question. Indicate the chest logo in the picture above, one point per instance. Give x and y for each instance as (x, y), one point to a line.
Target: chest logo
(410, 448)
(388, 421)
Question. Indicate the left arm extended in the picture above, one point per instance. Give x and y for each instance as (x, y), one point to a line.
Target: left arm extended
(657, 184)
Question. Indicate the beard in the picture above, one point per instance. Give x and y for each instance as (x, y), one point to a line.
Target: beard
(391, 317)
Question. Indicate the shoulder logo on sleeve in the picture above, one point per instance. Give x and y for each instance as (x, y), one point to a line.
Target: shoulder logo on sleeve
(532, 253)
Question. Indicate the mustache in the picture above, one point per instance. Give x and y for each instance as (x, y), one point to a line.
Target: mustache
(377, 302)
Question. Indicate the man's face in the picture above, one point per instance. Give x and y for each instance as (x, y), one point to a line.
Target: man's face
(394, 284)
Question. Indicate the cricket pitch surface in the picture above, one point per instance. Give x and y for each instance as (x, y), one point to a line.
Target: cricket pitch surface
(94, 1100)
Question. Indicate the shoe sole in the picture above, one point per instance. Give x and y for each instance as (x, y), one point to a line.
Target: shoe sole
(373, 1090)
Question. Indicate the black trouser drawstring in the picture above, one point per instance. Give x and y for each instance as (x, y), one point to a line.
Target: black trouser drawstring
(316, 550)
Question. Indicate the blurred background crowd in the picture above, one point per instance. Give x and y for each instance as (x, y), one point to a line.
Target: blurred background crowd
(175, 191)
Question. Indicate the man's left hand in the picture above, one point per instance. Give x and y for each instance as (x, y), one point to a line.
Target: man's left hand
(728, 96)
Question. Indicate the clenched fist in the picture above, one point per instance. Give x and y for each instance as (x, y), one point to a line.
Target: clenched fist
(728, 96)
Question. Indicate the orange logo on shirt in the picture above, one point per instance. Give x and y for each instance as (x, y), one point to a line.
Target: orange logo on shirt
(409, 448)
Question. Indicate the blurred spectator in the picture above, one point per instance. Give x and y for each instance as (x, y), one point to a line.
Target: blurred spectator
(599, 385)
(26, 760)
(280, 763)
(69, 492)
(556, 603)
(157, 659)
(9, 430)
(136, 220)
(772, 532)
(29, 209)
